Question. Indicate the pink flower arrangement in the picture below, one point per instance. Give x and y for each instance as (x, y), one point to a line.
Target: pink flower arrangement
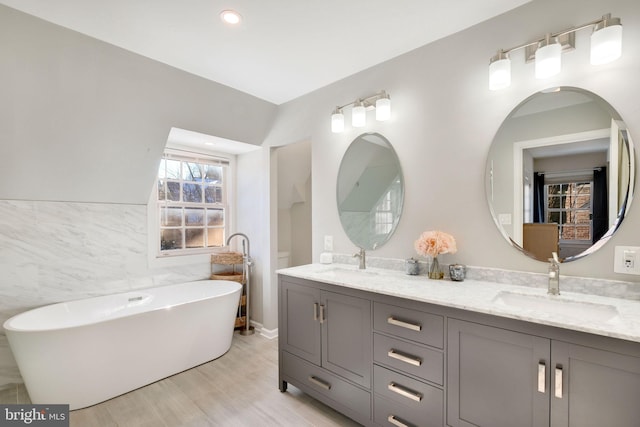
(434, 243)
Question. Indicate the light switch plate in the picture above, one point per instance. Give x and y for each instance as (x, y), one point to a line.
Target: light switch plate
(627, 260)
(504, 218)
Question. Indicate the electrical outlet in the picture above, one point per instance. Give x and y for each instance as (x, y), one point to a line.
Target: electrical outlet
(328, 243)
(627, 260)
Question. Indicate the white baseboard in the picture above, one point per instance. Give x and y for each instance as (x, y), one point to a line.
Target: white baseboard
(260, 329)
(267, 333)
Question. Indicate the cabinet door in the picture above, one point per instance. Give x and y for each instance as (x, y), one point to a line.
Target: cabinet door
(598, 388)
(496, 377)
(346, 337)
(300, 308)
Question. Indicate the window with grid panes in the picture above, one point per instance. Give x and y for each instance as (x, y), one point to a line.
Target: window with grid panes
(569, 205)
(192, 203)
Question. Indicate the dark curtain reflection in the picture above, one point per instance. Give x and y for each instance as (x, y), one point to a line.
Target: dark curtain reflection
(600, 203)
(538, 197)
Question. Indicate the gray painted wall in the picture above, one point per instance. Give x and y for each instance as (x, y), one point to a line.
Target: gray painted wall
(85, 121)
(443, 122)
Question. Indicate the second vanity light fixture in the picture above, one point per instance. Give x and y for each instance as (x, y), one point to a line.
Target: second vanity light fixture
(381, 102)
(606, 46)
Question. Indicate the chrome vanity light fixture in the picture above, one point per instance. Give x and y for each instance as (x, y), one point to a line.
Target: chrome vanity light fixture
(381, 102)
(606, 46)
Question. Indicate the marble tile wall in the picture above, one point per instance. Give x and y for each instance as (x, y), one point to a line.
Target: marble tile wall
(59, 251)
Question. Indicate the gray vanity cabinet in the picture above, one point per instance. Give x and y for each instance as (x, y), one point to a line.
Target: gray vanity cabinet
(502, 378)
(389, 361)
(325, 345)
(493, 377)
(597, 387)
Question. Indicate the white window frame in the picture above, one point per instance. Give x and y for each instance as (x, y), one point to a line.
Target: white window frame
(562, 210)
(158, 258)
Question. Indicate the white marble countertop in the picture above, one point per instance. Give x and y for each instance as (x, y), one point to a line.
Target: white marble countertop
(612, 317)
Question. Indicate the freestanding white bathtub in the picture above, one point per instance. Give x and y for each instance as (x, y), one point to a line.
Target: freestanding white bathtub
(87, 351)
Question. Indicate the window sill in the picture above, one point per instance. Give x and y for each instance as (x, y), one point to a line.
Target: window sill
(160, 261)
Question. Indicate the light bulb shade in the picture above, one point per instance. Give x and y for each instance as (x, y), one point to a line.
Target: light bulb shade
(606, 44)
(337, 122)
(548, 59)
(358, 116)
(499, 72)
(383, 109)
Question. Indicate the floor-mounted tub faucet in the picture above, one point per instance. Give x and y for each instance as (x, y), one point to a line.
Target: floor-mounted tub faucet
(363, 259)
(247, 270)
(554, 275)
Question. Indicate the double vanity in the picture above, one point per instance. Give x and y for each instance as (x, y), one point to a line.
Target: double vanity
(385, 348)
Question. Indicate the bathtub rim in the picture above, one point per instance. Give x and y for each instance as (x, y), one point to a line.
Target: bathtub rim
(12, 329)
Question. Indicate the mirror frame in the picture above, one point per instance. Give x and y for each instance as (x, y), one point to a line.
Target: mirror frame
(489, 178)
(369, 244)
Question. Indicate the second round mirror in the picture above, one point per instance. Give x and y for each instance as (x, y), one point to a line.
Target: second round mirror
(560, 174)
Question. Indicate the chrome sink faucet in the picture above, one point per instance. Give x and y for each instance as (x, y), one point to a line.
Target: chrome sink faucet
(554, 275)
(363, 259)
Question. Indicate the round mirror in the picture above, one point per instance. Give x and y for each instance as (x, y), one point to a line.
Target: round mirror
(370, 191)
(560, 174)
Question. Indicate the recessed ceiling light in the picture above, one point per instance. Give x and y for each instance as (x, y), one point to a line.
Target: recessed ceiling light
(230, 17)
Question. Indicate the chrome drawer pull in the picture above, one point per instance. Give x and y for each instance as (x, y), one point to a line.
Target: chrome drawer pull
(322, 318)
(396, 421)
(411, 360)
(405, 392)
(393, 321)
(542, 376)
(558, 390)
(315, 311)
(320, 383)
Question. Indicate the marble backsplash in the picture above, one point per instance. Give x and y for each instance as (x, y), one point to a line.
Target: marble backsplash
(59, 251)
(601, 287)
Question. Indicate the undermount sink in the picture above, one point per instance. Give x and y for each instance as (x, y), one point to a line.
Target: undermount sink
(558, 305)
(349, 272)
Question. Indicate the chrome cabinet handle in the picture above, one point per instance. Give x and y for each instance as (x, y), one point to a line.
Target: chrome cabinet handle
(322, 318)
(393, 321)
(405, 392)
(396, 421)
(406, 358)
(315, 311)
(558, 389)
(542, 376)
(320, 383)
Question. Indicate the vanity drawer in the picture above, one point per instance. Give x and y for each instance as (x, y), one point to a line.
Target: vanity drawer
(411, 358)
(409, 401)
(414, 325)
(388, 413)
(306, 375)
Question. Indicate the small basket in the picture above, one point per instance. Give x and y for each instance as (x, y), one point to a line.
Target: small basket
(227, 258)
(235, 277)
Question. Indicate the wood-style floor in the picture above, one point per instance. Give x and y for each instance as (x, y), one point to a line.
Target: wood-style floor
(237, 389)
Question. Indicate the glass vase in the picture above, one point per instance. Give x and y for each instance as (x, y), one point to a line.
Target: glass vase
(434, 270)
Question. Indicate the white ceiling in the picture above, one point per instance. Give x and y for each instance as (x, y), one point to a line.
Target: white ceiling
(282, 49)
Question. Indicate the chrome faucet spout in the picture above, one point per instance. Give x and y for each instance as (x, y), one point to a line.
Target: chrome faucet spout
(554, 275)
(363, 259)
(245, 238)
